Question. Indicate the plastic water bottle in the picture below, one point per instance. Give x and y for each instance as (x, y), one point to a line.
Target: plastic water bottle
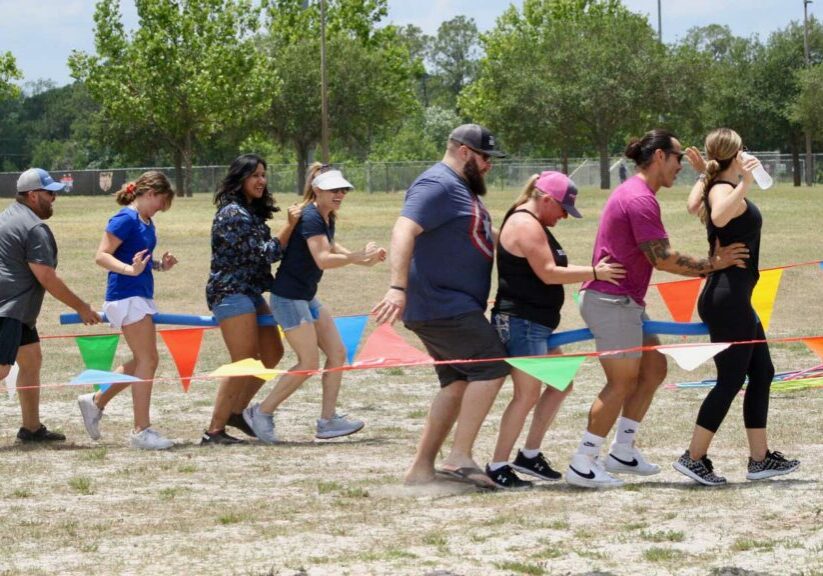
(760, 175)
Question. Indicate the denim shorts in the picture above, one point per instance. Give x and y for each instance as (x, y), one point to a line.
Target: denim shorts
(522, 337)
(290, 313)
(237, 305)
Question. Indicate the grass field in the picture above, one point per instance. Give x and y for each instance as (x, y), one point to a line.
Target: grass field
(307, 508)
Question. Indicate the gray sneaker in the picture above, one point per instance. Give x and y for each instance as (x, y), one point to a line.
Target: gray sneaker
(261, 423)
(337, 426)
(91, 414)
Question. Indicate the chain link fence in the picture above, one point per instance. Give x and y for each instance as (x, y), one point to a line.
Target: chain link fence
(384, 177)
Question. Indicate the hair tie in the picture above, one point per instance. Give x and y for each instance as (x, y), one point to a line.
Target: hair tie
(130, 188)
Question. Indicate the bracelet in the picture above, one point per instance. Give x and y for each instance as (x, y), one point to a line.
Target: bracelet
(393, 287)
(594, 272)
(701, 177)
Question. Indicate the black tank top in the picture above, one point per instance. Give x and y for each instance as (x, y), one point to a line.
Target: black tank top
(744, 228)
(520, 292)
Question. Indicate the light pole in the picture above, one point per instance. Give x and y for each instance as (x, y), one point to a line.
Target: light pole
(809, 160)
(324, 87)
(659, 23)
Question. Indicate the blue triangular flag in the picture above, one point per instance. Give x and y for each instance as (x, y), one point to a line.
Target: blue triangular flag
(102, 377)
(351, 330)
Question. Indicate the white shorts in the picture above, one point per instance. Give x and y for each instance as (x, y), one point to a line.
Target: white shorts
(128, 310)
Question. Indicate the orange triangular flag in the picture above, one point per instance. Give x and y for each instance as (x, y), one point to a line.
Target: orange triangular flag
(184, 346)
(815, 345)
(680, 297)
(385, 346)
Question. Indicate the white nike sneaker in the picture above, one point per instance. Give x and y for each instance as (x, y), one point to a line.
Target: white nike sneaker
(627, 459)
(587, 472)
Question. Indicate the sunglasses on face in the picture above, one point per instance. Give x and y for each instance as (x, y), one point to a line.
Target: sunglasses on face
(485, 157)
(49, 192)
(678, 154)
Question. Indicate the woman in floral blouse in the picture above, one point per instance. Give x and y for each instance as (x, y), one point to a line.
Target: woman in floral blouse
(242, 251)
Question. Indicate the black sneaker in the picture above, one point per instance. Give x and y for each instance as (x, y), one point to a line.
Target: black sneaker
(701, 471)
(42, 434)
(237, 421)
(538, 467)
(774, 464)
(506, 479)
(209, 439)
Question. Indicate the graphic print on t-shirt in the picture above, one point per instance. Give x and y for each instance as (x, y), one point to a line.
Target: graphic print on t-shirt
(481, 229)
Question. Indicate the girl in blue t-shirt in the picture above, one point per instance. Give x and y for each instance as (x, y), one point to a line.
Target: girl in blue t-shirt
(307, 324)
(126, 252)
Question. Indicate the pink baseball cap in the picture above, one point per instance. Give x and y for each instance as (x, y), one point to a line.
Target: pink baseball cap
(561, 188)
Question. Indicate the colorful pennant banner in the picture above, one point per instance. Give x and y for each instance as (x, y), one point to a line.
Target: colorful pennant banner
(100, 377)
(690, 357)
(247, 367)
(184, 347)
(351, 330)
(764, 295)
(385, 346)
(11, 380)
(556, 372)
(680, 297)
(98, 353)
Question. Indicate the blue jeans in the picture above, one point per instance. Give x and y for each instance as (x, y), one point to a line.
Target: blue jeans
(236, 305)
(522, 337)
(290, 313)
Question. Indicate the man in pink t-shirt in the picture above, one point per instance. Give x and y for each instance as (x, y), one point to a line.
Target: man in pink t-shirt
(631, 233)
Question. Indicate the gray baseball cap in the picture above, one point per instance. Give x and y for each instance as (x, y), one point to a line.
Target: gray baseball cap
(37, 179)
(477, 138)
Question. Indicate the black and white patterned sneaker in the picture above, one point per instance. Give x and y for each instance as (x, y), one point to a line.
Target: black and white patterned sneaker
(506, 479)
(538, 467)
(774, 464)
(701, 471)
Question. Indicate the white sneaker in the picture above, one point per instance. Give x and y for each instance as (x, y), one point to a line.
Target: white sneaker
(91, 414)
(149, 439)
(627, 459)
(587, 472)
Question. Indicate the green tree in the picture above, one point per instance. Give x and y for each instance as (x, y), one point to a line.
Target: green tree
(807, 108)
(8, 72)
(454, 56)
(561, 72)
(186, 74)
(369, 72)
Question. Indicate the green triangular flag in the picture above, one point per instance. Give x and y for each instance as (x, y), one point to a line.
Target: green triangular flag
(576, 297)
(98, 351)
(556, 372)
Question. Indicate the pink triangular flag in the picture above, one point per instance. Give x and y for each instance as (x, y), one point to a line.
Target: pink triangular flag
(385, 347)
(691, 356)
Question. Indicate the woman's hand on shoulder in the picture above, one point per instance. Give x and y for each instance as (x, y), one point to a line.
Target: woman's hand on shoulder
(294, 213)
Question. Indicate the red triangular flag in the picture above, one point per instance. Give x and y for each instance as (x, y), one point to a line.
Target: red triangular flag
(680, 297)
(385, 347)
(815, 345)
(184, 346)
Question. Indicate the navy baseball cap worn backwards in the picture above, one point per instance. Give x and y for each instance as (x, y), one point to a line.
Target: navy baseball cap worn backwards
(37, 179)
(477, 138)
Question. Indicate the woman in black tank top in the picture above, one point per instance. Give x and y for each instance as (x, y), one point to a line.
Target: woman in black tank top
(532, 267)
(725, 306)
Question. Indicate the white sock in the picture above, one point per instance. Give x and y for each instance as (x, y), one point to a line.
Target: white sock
(590, 445)
(626, 430)
(495, 466)
(530, 453)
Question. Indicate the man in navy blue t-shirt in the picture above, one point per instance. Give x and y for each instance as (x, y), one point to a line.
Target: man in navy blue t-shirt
(442, 251)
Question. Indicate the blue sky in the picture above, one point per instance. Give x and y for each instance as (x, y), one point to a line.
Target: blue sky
(42, 33)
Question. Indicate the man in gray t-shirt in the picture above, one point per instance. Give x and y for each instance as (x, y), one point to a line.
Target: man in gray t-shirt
(28, 259)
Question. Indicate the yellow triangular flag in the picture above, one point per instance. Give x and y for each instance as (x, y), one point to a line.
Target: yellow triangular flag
(246, 367)
(764, 294)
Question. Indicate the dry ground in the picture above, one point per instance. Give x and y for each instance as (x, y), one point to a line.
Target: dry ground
(339, 507)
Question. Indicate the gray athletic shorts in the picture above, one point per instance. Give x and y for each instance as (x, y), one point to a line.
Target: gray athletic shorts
(616, 322)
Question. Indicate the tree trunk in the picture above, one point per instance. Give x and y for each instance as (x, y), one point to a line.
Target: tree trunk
(796, 176)
(179, 181)
(188, 156)
(565, 160)
(603, 150)
(302, 150)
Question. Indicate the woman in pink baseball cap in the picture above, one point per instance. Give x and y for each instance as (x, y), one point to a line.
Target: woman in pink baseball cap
(532, 267)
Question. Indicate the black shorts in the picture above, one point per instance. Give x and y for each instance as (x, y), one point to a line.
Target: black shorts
(13, 335)
(467, 336)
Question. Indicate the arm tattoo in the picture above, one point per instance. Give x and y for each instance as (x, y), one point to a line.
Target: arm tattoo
(658, 251)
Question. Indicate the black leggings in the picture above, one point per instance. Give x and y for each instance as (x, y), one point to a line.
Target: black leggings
(725, 307)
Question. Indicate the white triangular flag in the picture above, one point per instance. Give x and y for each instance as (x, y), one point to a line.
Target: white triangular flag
(11, 381)
(691, 356)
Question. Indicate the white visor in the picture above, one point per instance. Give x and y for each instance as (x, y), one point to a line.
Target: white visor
(331, 180)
